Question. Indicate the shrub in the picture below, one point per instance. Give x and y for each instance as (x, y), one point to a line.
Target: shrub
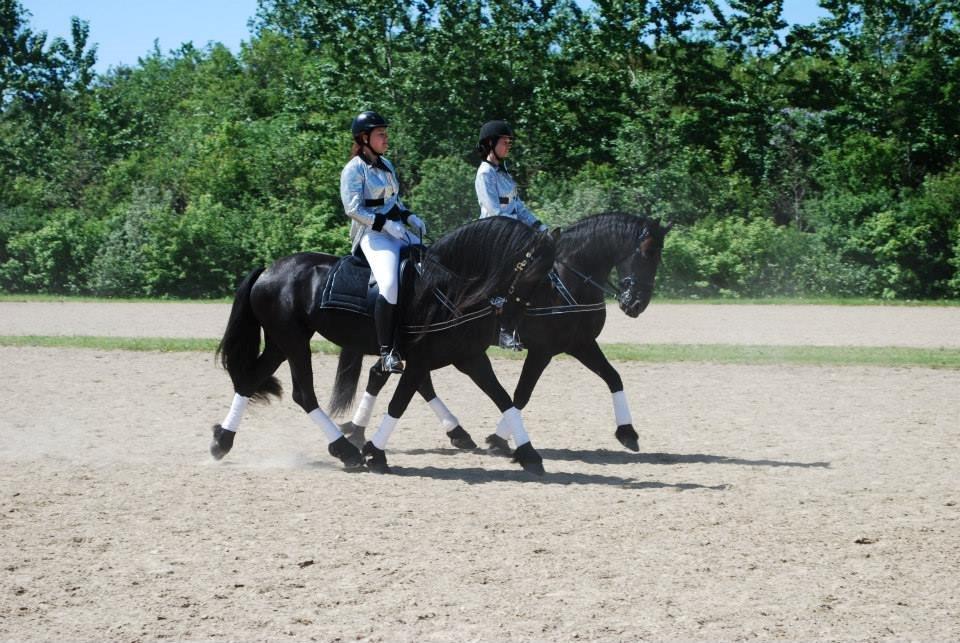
(735, 257)
(914, 243)
(55, 258)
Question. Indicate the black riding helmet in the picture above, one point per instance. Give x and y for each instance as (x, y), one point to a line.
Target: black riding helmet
(494, 130)
(366, 122)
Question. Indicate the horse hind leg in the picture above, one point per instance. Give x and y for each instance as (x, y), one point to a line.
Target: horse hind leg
(258, 384)
(301, 371)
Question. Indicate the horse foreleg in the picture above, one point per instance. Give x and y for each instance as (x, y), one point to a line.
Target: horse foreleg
(373, 450)
(480, 370)
(258, 383)
(593, 358)
(448, 421)
(356, 428)
(301, 371)
(533, 367)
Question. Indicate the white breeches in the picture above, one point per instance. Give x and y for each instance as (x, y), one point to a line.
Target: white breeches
(383, 254)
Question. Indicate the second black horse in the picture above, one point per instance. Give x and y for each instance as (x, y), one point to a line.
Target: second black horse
(567, 312)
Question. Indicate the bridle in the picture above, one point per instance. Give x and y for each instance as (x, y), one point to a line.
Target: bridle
(645, 287)
(625, 286)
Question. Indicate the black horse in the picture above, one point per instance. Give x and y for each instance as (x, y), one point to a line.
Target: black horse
(447, 318)
(567, 312)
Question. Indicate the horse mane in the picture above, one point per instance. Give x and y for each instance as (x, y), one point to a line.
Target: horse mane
(472, 263)
(604, 236)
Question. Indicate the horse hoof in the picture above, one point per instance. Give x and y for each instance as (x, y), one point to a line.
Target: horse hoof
(222, 442)
(498, 446)
(354, 433)
(628, 437)
(347, 453)
(461, 439)
(376, 458)
(528, 458)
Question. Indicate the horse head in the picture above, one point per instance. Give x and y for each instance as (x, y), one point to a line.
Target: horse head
(640, 268)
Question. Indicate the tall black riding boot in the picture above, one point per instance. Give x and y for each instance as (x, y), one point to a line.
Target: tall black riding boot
(384, 316)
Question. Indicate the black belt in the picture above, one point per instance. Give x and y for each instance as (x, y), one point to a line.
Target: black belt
(504, 200)
(372, 203)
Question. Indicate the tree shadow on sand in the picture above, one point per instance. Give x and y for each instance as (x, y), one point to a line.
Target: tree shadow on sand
(608, 457)
(476, 475)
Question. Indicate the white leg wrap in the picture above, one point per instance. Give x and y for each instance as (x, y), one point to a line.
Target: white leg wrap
(448, 421)
(361, 417)
(239, 405)
(505, 426)
(330, 428)
(387, 425)
(621, 410)
(511, 423)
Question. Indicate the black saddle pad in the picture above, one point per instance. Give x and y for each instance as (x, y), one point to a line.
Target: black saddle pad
(348, 285)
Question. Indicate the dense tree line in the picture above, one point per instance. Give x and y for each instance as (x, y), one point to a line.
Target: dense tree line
(816, 159)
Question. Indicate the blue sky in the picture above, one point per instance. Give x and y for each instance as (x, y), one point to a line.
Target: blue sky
(126, 29)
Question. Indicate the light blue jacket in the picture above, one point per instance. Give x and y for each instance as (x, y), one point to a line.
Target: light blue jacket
(367, 191)
(497, 194)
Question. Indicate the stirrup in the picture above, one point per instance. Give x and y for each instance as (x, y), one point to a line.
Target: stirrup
(390, 361)
(509, 340)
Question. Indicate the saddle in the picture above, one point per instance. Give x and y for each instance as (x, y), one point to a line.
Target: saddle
(350, 286)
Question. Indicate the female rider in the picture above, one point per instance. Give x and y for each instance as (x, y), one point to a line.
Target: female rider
(371, 197)
(496, 189)
(497, 192)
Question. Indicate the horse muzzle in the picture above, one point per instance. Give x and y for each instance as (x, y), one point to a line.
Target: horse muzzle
(634, 308)
(635, 299)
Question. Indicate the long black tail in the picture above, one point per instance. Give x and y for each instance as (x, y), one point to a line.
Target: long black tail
(240, 347)
(345, 384)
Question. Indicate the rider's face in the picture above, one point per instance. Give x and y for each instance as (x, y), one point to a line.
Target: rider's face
(502, 148)
(378, 140)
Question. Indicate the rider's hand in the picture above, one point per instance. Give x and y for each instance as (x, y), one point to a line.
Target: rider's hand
(395, 229)
(417, 223)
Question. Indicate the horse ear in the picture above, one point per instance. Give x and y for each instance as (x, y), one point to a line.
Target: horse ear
(667, 228)
(555, 234)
